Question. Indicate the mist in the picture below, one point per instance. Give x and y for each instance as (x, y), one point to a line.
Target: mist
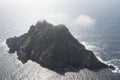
(27, 12)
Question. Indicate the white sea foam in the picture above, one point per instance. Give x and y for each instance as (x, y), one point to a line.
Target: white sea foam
(109, 62)
(3, 43)
(117, 70)
(100, 59)
(88, 46)
(92, 47)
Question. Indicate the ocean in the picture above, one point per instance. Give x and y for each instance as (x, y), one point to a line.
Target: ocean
(103, 39)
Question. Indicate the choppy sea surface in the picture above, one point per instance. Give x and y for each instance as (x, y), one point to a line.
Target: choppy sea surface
(103, 39)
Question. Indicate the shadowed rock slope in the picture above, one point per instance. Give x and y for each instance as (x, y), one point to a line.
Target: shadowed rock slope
(53, 47)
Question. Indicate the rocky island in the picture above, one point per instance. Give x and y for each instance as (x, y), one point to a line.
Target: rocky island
(53, 47)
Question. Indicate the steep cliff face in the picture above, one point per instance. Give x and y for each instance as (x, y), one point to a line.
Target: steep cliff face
(53, 47)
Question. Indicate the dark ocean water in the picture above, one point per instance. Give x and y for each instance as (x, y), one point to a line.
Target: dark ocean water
(103, 39)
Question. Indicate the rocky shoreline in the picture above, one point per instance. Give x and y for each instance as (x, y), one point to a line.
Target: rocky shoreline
(53, 47)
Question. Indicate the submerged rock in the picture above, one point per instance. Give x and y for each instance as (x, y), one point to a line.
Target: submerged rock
(53, 47)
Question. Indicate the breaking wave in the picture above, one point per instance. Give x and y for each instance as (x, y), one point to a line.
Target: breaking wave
(113, 62)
